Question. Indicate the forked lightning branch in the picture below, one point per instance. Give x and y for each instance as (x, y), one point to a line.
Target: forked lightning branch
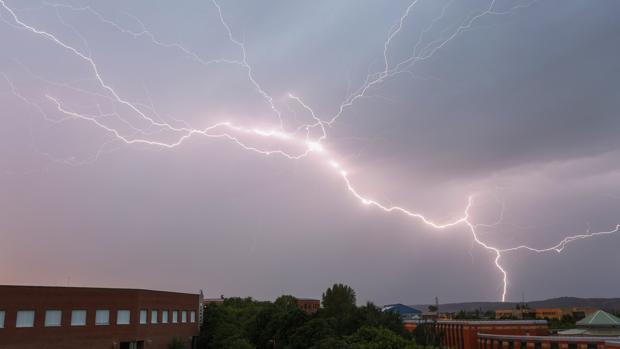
(307, 139)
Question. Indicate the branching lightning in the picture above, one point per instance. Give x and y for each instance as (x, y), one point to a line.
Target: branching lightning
(303, 139)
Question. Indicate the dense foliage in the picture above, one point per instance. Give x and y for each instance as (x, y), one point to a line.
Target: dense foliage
(566, 322)
(244, 323)
(176, 343)
(477, 314)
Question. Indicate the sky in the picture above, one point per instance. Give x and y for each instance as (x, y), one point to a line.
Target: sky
(255, 149)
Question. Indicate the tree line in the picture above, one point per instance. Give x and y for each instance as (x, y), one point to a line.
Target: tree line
(244, 323)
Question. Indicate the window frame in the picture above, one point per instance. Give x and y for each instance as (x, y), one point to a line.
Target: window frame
(123, 311)
(34, 314)
(144, 321)
(154, 316)
(45, 319)
(164, 316)
(2, 318)
(79, 311)
(97, 311)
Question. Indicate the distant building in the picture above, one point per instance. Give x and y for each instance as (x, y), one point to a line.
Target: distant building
(577, 313)
(582, 312)
(499, 341)
(458, 334)
(599, 330)
(551, 313)
(507, 313)
(96, 318)
(308, 305)
(433, 315)
(599, 323)
(406, 312)
(219, 300)
(515, 314)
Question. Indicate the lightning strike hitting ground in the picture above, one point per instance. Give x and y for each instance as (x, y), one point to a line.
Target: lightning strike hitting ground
(302, 139)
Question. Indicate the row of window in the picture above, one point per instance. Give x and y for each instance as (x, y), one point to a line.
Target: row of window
(164, 316)
(488, 343)
(53, 318)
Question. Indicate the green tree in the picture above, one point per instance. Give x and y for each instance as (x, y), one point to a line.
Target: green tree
(338, 299)
(565, 322)
(371, 315)
(332, 343)
(243, 323)
(378, 338)
(276, 323)
(227, 324)
(489, 314)
(176, 343)
(286, 302)
(315, 331)
(239, 343)
(426, 336)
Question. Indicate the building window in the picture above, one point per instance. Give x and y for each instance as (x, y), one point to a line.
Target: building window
(591, 345)
(102, 317)
(78, 318)
(175, 317)
(554, 345)
(192, 318)
(123, 317)
(184, 316)
(25, 318)
(53, 318)
(143, 314)
(2, 318)
(164, 316)
(153, 316)
(572, 345)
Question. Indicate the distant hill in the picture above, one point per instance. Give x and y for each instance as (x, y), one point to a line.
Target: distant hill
(608, 304)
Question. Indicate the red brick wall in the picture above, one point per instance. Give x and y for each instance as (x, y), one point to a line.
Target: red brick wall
(66, 299)
(612, 344)
(464, 334)
(309, 306)
(487, 341)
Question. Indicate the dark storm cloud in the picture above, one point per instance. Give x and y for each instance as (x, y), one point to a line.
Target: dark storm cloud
(521, 109)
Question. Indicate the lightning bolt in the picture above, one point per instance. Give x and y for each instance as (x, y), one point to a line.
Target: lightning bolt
(303, 140)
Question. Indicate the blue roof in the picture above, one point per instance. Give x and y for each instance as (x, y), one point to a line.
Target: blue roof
(401, 309)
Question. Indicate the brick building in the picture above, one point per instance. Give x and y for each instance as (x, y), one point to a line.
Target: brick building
(308, 305)
(460, 334)
(494, 341)
(97, 318)
(577, 313)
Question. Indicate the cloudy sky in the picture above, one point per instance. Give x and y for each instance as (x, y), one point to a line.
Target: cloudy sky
(432, 101)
